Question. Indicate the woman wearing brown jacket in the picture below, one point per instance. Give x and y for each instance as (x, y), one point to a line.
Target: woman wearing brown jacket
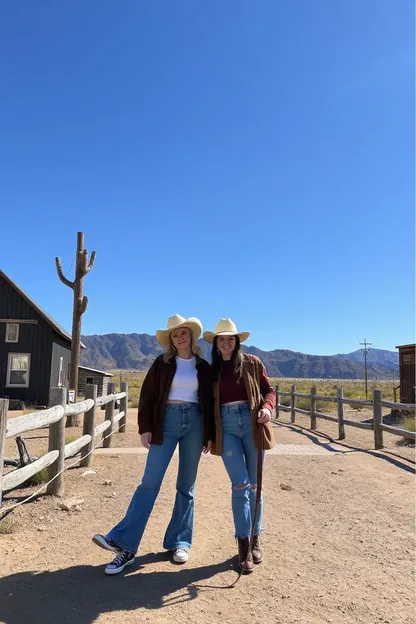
(243, 400)
(176, 407)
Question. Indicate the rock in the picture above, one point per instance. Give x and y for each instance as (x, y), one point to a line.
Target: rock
(70, 504)
(285, 486)
(88, 472)
(41, 528)
(108, 482)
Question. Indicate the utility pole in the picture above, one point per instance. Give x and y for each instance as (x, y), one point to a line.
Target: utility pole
(82, 267)
(365, 350)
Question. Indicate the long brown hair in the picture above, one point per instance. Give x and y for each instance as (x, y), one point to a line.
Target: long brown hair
(216, 360)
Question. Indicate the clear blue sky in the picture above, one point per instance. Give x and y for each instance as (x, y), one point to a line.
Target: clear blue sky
(251, 159)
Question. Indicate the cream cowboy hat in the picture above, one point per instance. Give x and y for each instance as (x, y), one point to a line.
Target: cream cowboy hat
(176, 321)
(225, 327)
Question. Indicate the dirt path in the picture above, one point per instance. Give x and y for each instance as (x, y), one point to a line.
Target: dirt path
(339, 546)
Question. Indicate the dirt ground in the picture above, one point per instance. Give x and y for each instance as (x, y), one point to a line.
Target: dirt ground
(339, 545)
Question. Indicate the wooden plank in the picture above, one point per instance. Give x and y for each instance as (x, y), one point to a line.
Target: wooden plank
(377, 419)
(104, 400)
(277, 401)
(57, 443)
(399, 406)
(293, 404)
(89, 424)
(327, 417)
(285, 408)
(4, 406)
(119, 395)
(368, 402)
(330, 399)
(101, 428)
(302, 395)
(17, 477)
(284, 393)
(21, 321)
(340, 412)
(302, 411)
(109, 415)
(118, 417)
(313, 407)
(124, 403)
(78, 408)
(36, 420)
(405, 433)
(358, 424)
(74, 447)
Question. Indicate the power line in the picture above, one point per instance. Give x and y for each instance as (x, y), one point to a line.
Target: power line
(365, 350)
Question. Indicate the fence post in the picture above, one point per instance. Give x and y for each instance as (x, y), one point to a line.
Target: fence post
(57, 443)
(4, 407)
(109, 415)
(123, 405)
(377, 419)
(292, 404)
(313, 407)
(340, 405)
(89, 425)
(277, 402)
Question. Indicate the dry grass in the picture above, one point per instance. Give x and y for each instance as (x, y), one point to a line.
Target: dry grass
(7, 527)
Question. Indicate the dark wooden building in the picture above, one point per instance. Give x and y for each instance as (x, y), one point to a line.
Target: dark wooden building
(407, 373)
(93, 376)
(35, 352)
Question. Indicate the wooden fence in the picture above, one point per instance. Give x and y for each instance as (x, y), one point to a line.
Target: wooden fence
(377, 425)
(54, 418)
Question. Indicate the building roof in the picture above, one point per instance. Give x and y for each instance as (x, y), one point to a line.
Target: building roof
(94, 370)
(404, 346)
(55, 326)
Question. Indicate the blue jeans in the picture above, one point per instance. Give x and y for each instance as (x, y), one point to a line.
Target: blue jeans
(182, 423)
(240, 460)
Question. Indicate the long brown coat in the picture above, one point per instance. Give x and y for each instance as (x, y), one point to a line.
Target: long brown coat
(253, 374)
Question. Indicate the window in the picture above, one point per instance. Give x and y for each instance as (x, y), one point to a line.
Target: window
(89, 380)
(18, 367)
(12, 332)
(61, 371)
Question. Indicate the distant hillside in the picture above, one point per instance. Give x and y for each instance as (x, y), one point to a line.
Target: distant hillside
(137, 351)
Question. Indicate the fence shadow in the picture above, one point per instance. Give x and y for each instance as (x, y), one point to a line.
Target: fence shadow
(313, 436)
(79, 594)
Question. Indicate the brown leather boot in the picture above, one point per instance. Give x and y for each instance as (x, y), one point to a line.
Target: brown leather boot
(245, 558)
(256, 550)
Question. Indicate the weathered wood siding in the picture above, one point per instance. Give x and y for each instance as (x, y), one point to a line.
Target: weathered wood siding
(407, 374)
(35, 339)
(99, 379)
(60, 348)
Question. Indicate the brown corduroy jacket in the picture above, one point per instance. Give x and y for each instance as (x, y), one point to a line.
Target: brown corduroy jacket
(253, 372)
(155, 391)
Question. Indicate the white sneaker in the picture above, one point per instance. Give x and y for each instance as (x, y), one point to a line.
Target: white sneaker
(180, 555)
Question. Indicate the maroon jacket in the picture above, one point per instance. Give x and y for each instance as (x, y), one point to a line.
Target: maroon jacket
(155, 391)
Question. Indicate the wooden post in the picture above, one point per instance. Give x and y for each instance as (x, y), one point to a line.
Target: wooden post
(340, 405)
(82, 267)
(57, 443)
(377, 419)
(313, 407)
(277, 402)
(4, 407)
(292, 405)
(124, 405)
(109, 415)
(89, 425)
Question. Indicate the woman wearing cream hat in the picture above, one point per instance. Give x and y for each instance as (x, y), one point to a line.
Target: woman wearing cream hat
(243, 400)
(176, 406)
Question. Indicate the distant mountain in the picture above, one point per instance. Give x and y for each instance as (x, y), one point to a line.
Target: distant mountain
(137, 352)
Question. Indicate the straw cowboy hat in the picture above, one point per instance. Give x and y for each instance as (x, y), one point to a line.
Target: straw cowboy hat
(176, 321)
(225, 327)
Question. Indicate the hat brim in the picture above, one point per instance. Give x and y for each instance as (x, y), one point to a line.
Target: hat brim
(163, 335)
(209, 336)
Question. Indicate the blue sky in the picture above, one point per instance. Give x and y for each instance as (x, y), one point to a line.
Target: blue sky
(244, 159)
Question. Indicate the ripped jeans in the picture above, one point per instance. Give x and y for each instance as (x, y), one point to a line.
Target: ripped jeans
(240, 460)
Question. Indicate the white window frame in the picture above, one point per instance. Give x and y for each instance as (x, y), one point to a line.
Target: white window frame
(60, 372)
(9, 370)
(8, 326)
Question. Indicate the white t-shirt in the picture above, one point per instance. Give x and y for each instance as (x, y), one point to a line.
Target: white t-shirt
(185, 382)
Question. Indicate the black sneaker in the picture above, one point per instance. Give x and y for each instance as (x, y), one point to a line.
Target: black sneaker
(105, 542)
(118, 564)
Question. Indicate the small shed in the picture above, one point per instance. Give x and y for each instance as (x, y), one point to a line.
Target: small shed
(93, 376)
(407, 373)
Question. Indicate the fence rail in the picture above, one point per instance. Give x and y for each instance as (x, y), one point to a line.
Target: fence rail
(377, 403)
(54, 418)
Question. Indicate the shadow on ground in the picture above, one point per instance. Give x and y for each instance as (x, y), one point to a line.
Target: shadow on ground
(79, 594)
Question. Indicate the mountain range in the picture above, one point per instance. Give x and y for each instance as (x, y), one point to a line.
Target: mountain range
(137, 352)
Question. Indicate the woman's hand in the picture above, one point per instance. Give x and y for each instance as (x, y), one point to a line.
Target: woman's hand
(264, 416)
(146, 439)
(207, 448)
